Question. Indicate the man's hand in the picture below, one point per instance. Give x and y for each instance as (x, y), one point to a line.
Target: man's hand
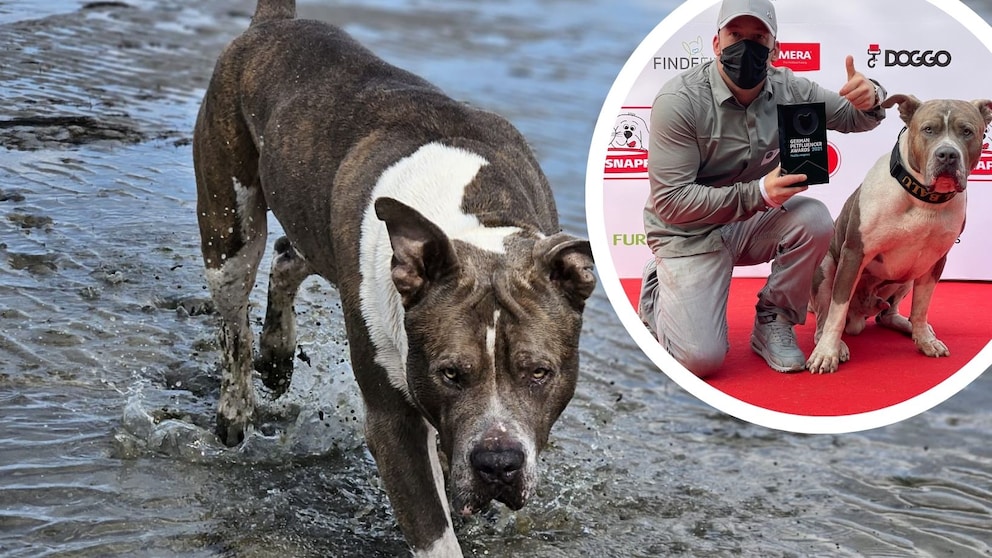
(859, 90)
(780, 187)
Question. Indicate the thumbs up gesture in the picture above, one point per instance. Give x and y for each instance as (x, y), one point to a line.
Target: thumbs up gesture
(858, 89)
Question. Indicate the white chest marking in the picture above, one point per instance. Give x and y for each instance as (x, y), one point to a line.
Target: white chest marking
(433, 181)
(910, 234)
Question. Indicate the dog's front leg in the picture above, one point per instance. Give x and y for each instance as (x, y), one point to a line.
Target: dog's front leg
(923, 336)
(405, 449)
(830, 349)
(823, 287)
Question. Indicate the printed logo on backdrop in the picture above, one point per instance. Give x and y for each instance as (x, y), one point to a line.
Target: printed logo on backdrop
(629, 239)
(798, 57)
(908, 58)
(627, 154)
(693, 55)
(983, 172)
(833, 158)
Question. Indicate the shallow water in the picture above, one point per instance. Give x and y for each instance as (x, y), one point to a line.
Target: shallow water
(109, 348)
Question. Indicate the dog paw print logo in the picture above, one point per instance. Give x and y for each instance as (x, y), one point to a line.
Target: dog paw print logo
(628, 150)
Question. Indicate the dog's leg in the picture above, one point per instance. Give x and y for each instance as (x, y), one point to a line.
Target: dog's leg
(230, 278)
(856, 320)
(231, 215)
(405, 449)
(890, 317)
(830, 349)
(277, 343)
(823, 287)
(867, 301)
(923, 336)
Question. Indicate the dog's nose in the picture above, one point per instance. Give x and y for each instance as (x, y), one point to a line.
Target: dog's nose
(947, 156)
(498, 466)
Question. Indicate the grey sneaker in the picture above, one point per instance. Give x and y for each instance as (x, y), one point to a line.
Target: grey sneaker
(775, 341)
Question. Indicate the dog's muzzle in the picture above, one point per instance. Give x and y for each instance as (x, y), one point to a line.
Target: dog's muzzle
(499, 466)
(496, 467)
(947, 169)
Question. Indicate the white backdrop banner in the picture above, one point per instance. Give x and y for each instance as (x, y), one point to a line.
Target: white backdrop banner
(930, 49)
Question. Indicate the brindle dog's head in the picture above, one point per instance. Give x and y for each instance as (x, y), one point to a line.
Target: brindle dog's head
(945, 138)
(493, 347)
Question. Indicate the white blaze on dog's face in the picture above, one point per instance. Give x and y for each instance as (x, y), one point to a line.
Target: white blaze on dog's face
(488, 349)
(492, 350)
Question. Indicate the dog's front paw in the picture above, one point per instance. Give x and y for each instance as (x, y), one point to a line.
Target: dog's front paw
(926, 341)
(932, 347)
(822, 360)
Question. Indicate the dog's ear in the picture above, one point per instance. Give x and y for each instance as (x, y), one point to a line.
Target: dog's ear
(907, 105)
(568, 263)
(422, 253)
(984, 106)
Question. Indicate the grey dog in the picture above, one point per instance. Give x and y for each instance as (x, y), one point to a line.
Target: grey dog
(462, 299)
(894, 232)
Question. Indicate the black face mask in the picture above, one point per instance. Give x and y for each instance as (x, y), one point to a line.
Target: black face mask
(745, 63)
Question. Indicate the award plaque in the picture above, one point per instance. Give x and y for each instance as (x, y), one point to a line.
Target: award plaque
(802, 137)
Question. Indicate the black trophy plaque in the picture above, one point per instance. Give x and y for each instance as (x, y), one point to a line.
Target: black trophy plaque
(802, 137)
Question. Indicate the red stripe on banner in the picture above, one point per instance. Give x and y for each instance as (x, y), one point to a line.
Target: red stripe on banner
(885, 367)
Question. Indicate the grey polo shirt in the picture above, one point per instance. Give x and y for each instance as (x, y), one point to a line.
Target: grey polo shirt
(707, 153)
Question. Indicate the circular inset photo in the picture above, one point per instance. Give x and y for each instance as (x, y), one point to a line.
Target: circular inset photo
(777, 197)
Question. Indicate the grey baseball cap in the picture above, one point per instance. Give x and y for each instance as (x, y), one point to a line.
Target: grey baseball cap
(761, 9)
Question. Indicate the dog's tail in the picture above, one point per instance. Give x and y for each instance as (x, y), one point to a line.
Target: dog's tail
(270, 10)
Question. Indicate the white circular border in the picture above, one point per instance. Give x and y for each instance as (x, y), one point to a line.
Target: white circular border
(595, 217)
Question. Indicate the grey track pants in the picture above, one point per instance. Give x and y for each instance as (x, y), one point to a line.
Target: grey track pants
(683, 300)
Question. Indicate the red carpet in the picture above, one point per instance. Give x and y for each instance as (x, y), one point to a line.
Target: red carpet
(885, 367)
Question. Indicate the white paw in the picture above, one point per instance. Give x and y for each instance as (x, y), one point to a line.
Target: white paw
(844, 353)
(932, 347)
(823, 360)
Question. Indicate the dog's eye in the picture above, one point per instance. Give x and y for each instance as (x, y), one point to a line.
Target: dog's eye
(540, 374)
(450, 374)
(928, 130)
(967, 132)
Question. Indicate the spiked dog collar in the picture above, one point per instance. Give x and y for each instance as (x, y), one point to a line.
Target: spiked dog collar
(910, 184)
